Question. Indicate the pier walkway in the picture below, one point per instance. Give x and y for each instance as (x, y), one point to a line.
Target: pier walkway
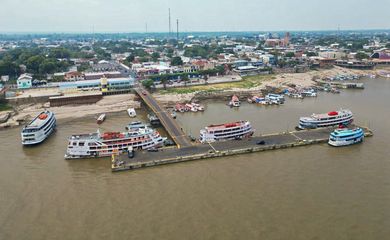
(220, 149)
(170, 125)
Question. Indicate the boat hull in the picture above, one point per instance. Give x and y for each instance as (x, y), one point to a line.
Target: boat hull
(346, 142)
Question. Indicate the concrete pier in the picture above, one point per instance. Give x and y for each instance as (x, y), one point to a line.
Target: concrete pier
(222, 149)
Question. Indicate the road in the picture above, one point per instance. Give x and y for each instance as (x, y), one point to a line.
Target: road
(170, 124)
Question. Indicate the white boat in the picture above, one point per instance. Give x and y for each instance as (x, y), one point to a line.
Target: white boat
(275, 98)
(39, 128)
(227, 131)
(106, 144)
(136, 125)
(345, 137)
(131, 112)
(334, 118)
(309, 93)
(101, 118)
(191, 107)
(234, 102)
(198, 107)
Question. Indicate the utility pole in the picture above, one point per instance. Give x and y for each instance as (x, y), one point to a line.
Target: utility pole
(169, 19)
(146, 27)
(177, 29)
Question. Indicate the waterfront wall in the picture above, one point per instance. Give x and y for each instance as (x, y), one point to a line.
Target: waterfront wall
(216, 154)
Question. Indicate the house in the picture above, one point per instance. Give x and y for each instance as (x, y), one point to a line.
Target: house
(5, 78)
(24, 81)
(73, 76)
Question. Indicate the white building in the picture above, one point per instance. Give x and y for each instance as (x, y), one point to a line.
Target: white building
(24, 81)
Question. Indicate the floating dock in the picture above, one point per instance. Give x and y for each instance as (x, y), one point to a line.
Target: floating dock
(222, 149)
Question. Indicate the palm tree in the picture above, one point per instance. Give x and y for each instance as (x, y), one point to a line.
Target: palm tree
(185, 79)
(164, 80)
(205, 78)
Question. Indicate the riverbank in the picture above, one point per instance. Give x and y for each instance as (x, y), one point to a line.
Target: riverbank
(109, 104)
(116, 103)
(252, 84)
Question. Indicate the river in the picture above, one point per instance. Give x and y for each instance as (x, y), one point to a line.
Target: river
(314, 192)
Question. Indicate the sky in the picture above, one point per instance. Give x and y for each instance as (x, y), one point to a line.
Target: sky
(195, 15)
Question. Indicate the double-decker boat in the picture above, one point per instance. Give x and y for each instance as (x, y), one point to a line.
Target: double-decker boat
(39, 128)
(341, 117)
(227, 131)
(106, 144)
(344, 137)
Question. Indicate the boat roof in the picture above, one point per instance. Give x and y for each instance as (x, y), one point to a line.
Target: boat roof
(226, 125)
(37, 122)
(332, 113)
(346, 132)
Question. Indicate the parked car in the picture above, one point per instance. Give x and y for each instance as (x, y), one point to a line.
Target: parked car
(168, 143)
(260, 142)
(153, 149)
(131, 154)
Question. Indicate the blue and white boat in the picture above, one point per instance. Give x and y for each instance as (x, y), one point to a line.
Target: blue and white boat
(39, 128)
(344, 137)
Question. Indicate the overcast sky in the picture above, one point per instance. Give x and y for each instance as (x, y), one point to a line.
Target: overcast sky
(194, 15)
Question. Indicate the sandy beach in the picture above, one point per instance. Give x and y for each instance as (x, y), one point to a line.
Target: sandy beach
(108, 104)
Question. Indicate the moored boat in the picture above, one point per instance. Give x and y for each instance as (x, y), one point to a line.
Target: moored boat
(135, 126)
(131, 112)
(103, 145)
(334, 118)
(179, 108)
(275, 98)
(227, 131)
(234, 102)
(101, 118)
(39, 128)
(345, 137)
(153, 119)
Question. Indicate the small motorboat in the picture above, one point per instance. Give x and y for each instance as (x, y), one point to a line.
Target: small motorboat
(234, 102)
(101, 118)
(131, 112)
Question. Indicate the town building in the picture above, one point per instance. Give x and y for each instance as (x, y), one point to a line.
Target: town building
(24, 81)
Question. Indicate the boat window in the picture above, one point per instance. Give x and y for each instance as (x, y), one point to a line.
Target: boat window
(74, 144)
(81, 144)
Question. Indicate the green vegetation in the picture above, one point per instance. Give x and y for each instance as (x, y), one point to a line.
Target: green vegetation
(4, 106)
(290, 54)
(176, 61)
(361, 55)
(148, 83)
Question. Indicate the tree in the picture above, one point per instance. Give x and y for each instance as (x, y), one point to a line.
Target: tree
(164, 80)
(148, 83)
(361, 55)
(130, 58)
(34, 62)
(205, 78)
(185, 79)
(47, 66)
(176, 61)
(311, 54)
(155, 56)
(290, 54)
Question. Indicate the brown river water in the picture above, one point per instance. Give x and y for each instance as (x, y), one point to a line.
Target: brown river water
(313, 192)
